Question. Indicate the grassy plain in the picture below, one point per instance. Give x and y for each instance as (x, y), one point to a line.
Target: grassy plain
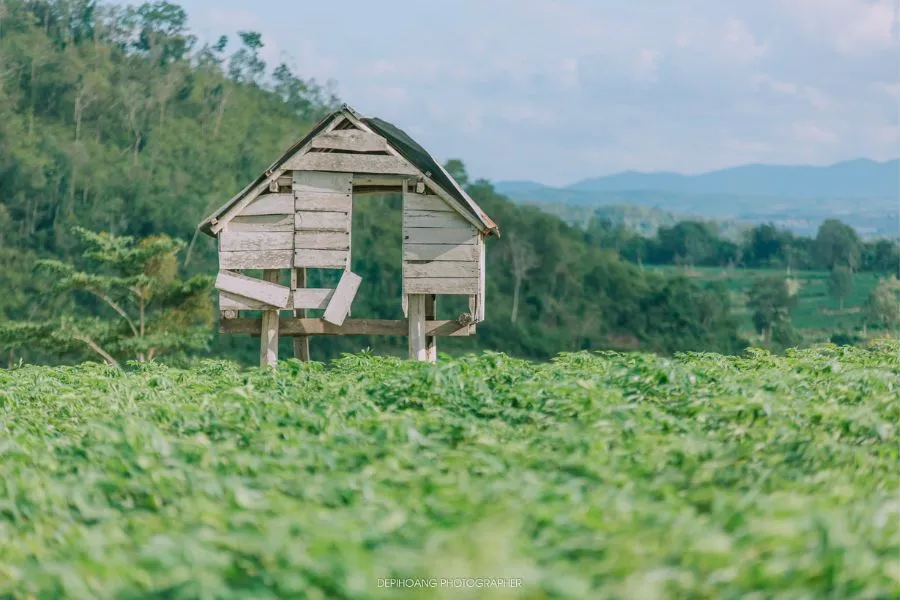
(591, 476)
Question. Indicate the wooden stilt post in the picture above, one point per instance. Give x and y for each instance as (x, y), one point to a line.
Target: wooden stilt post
(416, 319)
(268, 340)
(301, 343)
(430, 315)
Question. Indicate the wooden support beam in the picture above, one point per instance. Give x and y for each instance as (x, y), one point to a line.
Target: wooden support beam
(268, 342)
(417, 350)
(430, 340)
(293, 326)
(301, 342)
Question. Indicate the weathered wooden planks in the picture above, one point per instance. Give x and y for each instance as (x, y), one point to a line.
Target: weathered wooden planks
(339, 306)
(351, 163)
(269, 204)
(351, 139)
(321, 259)
(430, 218)
(262, 259)
(322, 240)
(430, 341)
(268, 344)
(388, 181)
(322, 201)
(316, 182)
(304, 298)
(416, 334)
(322, 221)
(440, 285)
(307, 326)
(454, 236)
(479, 313)
(463, 252)
(300, 299)
(442, 269)
(273, 294)
(234, 302)
(261, 223)
(230, 241)
(429, 202)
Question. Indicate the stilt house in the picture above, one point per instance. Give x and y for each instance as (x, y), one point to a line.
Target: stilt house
(297, 215)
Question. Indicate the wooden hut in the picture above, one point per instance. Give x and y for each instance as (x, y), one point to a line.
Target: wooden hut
(297, 215)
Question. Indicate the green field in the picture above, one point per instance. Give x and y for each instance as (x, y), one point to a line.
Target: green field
(817, 314)
(591, 476)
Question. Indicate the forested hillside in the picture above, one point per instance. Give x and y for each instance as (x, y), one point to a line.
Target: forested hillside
(117, 119)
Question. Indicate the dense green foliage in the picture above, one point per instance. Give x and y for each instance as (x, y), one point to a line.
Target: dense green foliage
(150, 310)
(869, 309)
(116, 120)
(591, 476)
(703, 243)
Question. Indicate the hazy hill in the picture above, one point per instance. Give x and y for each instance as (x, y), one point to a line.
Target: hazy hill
(861, 178)
(863, 193)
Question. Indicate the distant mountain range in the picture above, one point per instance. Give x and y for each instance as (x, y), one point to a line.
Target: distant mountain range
(863, 193)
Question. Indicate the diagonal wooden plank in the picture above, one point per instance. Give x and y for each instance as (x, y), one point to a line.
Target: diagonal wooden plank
(269, 293)
(339, 306)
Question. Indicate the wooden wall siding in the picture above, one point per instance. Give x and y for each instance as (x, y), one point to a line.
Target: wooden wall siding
(230, 241)
(439, 252)
(261, 259)
(434, 219)
(311, 181)
(321, 259)
(351, 140)
(440, 248)
(269, 204)
(323, 218)
(429, 202)
(480, 299)
(351, 163)
(442, 269)
(430, 235)
(323, 202)
(261, 223)
(322, 240)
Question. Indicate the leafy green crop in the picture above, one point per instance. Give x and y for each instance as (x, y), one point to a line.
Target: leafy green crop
(592, 476)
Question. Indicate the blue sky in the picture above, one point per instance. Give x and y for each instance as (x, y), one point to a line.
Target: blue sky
(556, 91)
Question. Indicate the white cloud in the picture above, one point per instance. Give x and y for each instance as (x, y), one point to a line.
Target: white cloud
(557, 91)
(850, 26)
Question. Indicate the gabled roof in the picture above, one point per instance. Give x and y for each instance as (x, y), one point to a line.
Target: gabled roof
(397, 139)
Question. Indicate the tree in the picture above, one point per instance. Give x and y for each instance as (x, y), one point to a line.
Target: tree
(162, 32)
(457, 171)
(837, 244)
(523, 260)
(142, 308)
(772, 302)
(688, 242)
(245, 65)
(883, 305)
(766, 245)
(882, 256)
(840, 284)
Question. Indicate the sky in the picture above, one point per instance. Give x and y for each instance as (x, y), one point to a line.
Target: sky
(557, 91)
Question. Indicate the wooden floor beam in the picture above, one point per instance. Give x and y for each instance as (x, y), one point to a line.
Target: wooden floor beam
(293, 326)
